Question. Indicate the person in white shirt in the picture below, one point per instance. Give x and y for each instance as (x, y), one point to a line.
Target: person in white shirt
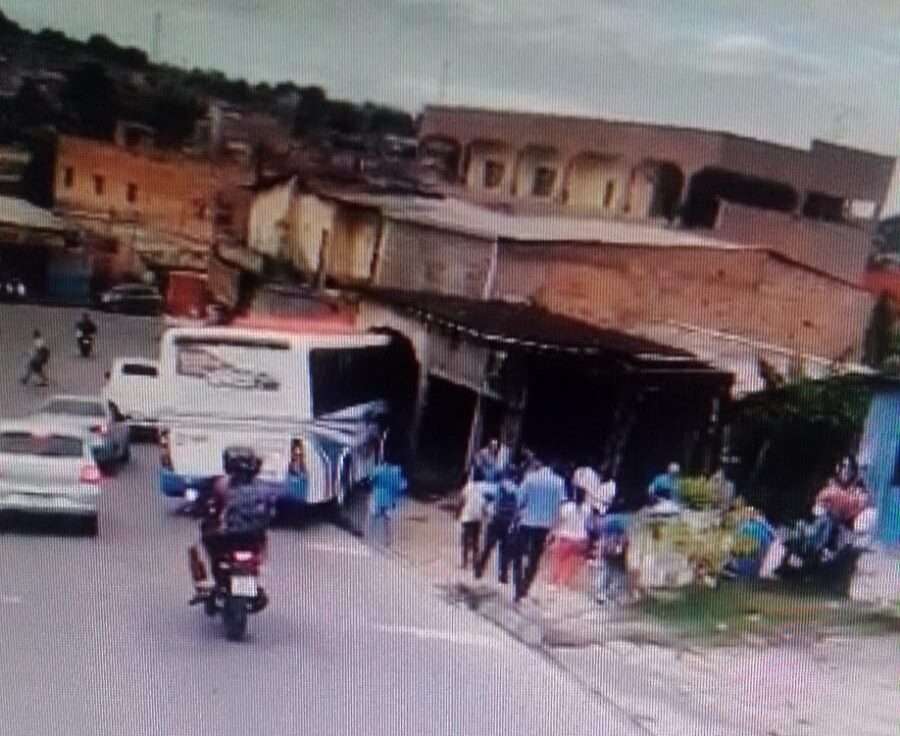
(600, 490)
(471, 516)
(570, 539)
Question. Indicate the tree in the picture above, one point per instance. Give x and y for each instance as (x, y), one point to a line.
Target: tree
(345, 117)
(92, 97)
(879, 337)
(8, 28)
(173, 113)
(789, 440)
(31, 108)
(108, 51)
(389, 121)
(312, 111)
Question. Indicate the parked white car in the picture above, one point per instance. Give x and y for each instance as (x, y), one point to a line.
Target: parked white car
(94, 417)
(46, 469)
(132, 385)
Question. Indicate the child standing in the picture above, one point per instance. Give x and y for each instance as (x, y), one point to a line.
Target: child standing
(471, 517)
(611, 540)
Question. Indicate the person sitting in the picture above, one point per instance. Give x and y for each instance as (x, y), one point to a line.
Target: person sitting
(835, 509)
(666, 486)
(845, 496)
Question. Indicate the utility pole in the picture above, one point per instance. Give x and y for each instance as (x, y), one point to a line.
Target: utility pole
(157, 32)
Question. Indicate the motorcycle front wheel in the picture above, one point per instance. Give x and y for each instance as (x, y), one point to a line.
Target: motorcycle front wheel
(234, 616)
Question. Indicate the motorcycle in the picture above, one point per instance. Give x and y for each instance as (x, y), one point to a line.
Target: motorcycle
(236, 559)
(85, 343)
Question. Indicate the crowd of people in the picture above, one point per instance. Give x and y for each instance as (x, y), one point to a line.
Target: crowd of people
(528, 508)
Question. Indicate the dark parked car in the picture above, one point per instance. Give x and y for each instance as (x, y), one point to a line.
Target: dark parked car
(132, 299)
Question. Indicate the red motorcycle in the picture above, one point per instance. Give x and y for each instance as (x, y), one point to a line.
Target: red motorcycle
(234, 535)
(234, 589)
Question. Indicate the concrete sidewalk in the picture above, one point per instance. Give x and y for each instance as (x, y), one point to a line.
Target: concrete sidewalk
(807, 685)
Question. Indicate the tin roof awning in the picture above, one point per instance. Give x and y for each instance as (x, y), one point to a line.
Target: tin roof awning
(19, 213)
(527, 327)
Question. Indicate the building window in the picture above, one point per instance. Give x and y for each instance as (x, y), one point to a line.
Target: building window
(131, 194)
(609, 193)
(493, 174)
(544, 178)
(98, 185)
(827, 207)
(69, 177)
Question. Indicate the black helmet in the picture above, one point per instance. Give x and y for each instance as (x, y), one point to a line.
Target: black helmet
(241, 462)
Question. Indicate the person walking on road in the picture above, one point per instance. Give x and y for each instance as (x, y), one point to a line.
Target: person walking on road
(541, 493)
(471, 515)
(387, 485)
(504, 512)
(38, 358)
(569, 545)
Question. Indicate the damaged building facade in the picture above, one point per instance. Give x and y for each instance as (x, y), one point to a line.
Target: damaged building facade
(168, 207)
(819, 206)
(576, 336)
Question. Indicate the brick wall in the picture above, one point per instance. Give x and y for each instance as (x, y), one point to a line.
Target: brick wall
(169, 192)
(747, 293)
(841, 250)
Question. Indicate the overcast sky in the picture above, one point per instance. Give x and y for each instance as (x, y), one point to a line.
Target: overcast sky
(757, 67)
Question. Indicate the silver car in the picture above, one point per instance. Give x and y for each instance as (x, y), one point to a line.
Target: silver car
(98, 419)
(48, 470)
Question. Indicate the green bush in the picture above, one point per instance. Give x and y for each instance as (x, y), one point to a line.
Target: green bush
(699, 493)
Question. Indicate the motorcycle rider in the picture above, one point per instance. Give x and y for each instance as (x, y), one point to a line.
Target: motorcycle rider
(85, 327)
(85, 330)
(234, 507)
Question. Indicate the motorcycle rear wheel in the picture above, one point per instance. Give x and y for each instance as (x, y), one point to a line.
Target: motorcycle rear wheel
(234, 616)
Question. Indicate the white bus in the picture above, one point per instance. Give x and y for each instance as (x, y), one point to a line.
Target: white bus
(314, 407)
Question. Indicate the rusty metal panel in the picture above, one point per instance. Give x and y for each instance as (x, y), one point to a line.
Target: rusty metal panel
(224, 282)
(458, 360)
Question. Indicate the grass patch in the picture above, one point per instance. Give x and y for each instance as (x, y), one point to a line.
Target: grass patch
(770, 610)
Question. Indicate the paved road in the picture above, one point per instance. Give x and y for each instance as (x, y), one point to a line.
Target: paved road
(98, 639)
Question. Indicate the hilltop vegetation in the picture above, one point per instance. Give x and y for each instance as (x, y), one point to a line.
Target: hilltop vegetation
(104, 81)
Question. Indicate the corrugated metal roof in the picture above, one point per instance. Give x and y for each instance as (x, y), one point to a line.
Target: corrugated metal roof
(740, 355)
(528, 327)
(19, 213)
(456, 215)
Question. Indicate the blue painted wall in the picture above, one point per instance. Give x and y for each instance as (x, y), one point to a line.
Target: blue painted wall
(880, 455)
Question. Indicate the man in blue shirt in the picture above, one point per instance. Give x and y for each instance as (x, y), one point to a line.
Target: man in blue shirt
(387, 484)
(504, 513)
(491, 462)
(541, 493)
